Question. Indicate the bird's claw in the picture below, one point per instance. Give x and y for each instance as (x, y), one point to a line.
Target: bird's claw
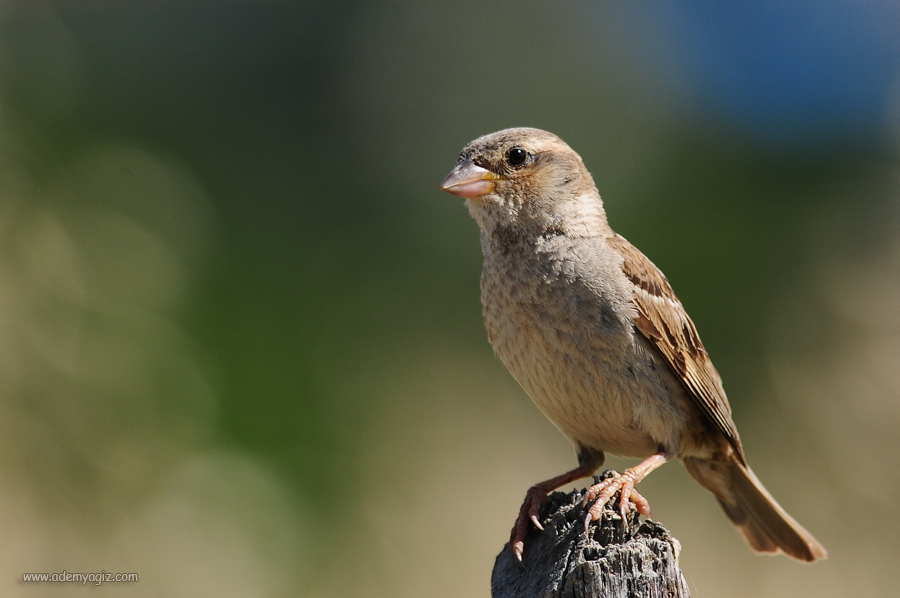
(600, 494)
(529, 513)
(518, 549)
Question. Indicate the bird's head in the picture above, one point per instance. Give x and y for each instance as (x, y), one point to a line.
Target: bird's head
(524, 178)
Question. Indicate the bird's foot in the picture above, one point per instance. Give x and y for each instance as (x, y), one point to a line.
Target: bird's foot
(600, 494)
(537, 495)
(529, 513)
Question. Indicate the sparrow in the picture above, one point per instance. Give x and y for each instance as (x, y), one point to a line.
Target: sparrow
(593, 332)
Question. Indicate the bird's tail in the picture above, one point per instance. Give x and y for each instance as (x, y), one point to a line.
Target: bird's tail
(761, 520)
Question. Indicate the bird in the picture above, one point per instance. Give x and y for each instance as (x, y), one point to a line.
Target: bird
(593, 332)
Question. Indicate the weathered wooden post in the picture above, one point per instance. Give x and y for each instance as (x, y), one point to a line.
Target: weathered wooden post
(618, 559)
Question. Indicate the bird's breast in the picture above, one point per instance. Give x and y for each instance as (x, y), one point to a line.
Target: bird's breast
(559, 321)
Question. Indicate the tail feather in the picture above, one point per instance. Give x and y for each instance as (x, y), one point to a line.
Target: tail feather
(761, 520)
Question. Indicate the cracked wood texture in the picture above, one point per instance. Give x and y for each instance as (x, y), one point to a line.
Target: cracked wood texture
(617, 559)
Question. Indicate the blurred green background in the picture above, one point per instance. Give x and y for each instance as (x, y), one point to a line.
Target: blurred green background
(241, 349)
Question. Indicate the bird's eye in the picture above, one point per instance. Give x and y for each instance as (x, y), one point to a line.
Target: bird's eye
(516, 156)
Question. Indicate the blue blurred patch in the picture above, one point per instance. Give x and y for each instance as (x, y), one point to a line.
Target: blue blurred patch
(788, 71)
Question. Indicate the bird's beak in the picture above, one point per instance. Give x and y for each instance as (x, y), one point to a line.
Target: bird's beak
(468, 180)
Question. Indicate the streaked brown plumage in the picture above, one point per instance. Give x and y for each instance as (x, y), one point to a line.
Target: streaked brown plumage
(593, 332)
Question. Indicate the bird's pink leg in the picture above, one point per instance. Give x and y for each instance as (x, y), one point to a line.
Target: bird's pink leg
(600, 493)
(536, 496)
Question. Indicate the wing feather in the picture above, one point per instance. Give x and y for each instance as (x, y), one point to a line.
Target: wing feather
(662, 319)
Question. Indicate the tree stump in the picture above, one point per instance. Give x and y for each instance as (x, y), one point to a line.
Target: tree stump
(618, 558)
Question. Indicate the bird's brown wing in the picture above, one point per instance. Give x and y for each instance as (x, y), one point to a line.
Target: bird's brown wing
(662, 319)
